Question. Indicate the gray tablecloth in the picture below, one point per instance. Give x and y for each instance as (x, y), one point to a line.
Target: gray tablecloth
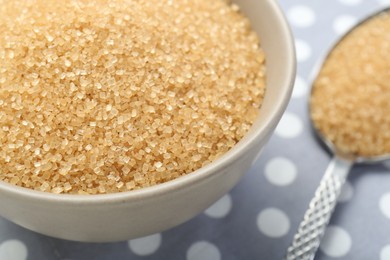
(258, 218)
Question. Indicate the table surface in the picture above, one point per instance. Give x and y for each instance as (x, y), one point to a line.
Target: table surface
(258, 218)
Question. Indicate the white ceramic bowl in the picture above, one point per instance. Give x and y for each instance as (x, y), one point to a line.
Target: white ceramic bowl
(113, 217)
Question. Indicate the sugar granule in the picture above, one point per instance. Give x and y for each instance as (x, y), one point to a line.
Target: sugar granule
(107, 96)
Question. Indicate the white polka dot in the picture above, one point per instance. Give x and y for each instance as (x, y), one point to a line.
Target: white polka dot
(280, 171)
(385, 253)
(300, 87)
(13, 250)
(203, 250)
(350, 2)
(343, 23)
(273, 222)
(303, 50)
(384, 2)
(290, 126)
(384, 204)
(346, 193)
(301, 16)
(336, 242)
(220, 208)
(145, 245)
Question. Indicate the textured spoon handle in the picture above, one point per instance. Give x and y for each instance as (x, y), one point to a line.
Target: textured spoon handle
(307, 239)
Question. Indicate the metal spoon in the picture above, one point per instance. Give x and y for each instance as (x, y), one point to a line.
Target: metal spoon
(311, 230)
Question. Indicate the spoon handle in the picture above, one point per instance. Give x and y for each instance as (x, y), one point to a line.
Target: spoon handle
(307, 239)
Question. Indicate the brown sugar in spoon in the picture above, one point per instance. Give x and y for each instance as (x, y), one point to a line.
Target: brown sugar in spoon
(350, 113)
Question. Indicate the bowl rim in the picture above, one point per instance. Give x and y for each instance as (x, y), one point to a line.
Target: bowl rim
(196, 176)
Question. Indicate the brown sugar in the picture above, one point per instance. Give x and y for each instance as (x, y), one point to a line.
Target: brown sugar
(107, 96)
(351, 96)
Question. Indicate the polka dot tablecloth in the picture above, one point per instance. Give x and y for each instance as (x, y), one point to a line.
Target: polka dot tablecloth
(258, 218)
